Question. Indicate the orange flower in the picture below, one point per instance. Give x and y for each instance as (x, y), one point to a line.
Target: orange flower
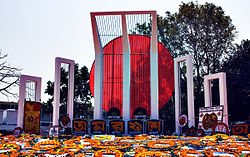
(46, 145)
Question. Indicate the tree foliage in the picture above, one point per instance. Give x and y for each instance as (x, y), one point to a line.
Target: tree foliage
(207, 33)
(82, 94)
(204, 31)
(9, 77)
(237, 69)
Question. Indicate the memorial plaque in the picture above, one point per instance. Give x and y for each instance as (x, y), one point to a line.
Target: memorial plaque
(240, 129)
(116, 127)
(154, 127)
(31, 117)
(220, 128)
(182, 120)
(98, 127)
(135, 127)
(80, 126)
(209, 116)
(64, 121)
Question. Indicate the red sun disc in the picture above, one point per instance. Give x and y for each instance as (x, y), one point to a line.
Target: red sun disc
(139, 71)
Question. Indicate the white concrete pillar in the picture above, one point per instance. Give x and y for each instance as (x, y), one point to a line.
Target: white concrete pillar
(22, 93)
(190, 91)
(70, 103)
(207, 92)
(154, 90)
(56, 102)
(70, 107)
(126, 73)
(223, 96)
(222, 89)
(98, 84)
(177, 95)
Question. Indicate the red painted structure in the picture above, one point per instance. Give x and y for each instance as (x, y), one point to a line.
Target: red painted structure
(140, 74)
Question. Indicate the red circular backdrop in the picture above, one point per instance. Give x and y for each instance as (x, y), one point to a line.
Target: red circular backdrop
(139, 71)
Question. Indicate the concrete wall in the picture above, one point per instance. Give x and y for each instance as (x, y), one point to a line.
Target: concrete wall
(1, 116)
(9, 117)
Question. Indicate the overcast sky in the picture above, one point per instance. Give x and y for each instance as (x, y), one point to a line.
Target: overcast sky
(34, 32)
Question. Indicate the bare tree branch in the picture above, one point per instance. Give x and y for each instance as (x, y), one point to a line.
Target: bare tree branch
(9, 77)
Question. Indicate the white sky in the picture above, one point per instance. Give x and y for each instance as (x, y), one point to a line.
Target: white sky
(34, 32)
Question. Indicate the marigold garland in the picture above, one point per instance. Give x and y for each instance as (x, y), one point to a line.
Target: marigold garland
(114, 152)
(113, 145)
(11, 147)
(161, 144)
(46, 145)
(140, 145)
(152, 153)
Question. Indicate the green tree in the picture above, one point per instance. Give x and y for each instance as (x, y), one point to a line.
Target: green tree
(208, 34)
(82, 101)
(237, 69)
(201, 30)
(82, 94)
